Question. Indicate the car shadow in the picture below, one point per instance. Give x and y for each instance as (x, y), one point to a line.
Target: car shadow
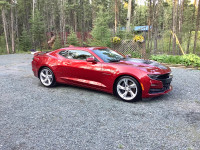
(155, 99)
(144, 100)
(80, 88)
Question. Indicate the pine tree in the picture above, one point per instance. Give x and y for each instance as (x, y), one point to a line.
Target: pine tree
(57, 44)
(25, 41)
(72, 39)
(37, 29)
(101, 33)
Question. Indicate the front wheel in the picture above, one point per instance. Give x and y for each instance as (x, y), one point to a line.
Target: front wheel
(47, 77)
(128, 89)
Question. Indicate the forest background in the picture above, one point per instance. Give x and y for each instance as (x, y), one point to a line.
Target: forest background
(173, 25)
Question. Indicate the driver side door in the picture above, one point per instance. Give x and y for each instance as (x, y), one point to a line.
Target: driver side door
(80, 72)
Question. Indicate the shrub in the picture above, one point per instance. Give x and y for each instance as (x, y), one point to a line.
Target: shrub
(187, 60)
(116, 40)
(191, 59)
(138, 38)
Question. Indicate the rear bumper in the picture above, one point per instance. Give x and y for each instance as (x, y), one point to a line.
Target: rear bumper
(34, 69)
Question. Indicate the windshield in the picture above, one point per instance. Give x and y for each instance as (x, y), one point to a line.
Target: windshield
(108, 55)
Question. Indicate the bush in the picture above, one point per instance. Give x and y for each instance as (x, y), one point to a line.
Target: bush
(191, 59)
(187, 60)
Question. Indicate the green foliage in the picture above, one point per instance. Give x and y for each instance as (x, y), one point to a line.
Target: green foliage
(57, 43)
(140, 16)
(187, 60)
(135, 55)
(101, 33)
(2, 45)
(37, 29)
(125, 35)
(25, 41)
(4, 3)
(167, 58)
(191, 59)
(72, 39)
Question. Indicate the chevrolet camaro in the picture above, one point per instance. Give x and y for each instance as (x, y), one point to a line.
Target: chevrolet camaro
(101, 68)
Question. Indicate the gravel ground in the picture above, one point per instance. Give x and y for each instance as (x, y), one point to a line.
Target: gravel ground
(66, 117)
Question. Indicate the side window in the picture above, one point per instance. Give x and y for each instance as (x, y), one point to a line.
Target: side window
(78, 54)
(64, 53)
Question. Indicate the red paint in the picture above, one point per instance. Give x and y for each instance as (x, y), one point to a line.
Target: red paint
(100, 75)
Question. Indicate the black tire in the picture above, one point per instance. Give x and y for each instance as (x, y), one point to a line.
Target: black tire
(51, 81)
(134, 92)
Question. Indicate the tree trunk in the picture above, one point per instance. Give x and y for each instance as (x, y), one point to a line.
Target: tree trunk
(188, 44)
(75, 18)
(153, 25)
(34, 2)
(197, 29)
(190, 33)
(175, 3)
(149, 24)
(181, 21)
(5, 29)
(116, 15)
(12, 31)
(128, 29)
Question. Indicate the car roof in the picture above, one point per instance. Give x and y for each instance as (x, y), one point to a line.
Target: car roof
(81, 48)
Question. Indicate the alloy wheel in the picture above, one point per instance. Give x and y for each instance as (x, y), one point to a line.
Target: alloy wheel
(127, 89)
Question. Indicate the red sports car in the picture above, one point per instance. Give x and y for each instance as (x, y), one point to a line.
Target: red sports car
(101, 68)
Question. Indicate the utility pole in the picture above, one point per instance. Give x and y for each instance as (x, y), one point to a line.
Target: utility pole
(129, 16)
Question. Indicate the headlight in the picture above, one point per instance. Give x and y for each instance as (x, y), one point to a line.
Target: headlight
(153, 76)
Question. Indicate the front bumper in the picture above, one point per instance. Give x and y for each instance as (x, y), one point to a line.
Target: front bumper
(148, 95)
(159, 86)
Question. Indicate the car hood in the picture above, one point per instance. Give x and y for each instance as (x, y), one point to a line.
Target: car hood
(148, 66)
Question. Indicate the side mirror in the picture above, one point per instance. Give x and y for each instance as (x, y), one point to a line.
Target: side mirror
(91, 59)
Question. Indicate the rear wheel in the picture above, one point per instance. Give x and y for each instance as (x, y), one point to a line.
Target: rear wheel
(128, 89)
(47, 77)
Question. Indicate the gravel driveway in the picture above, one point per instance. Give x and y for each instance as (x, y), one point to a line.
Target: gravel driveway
(66, 117)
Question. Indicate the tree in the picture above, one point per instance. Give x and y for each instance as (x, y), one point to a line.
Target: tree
(3, 5)
(129, 16)
(101, 33)
(25, 40)
(72, 39)
(12, 3)
(37, 29)
(174, 26)
(197, 28)
(57, 43)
